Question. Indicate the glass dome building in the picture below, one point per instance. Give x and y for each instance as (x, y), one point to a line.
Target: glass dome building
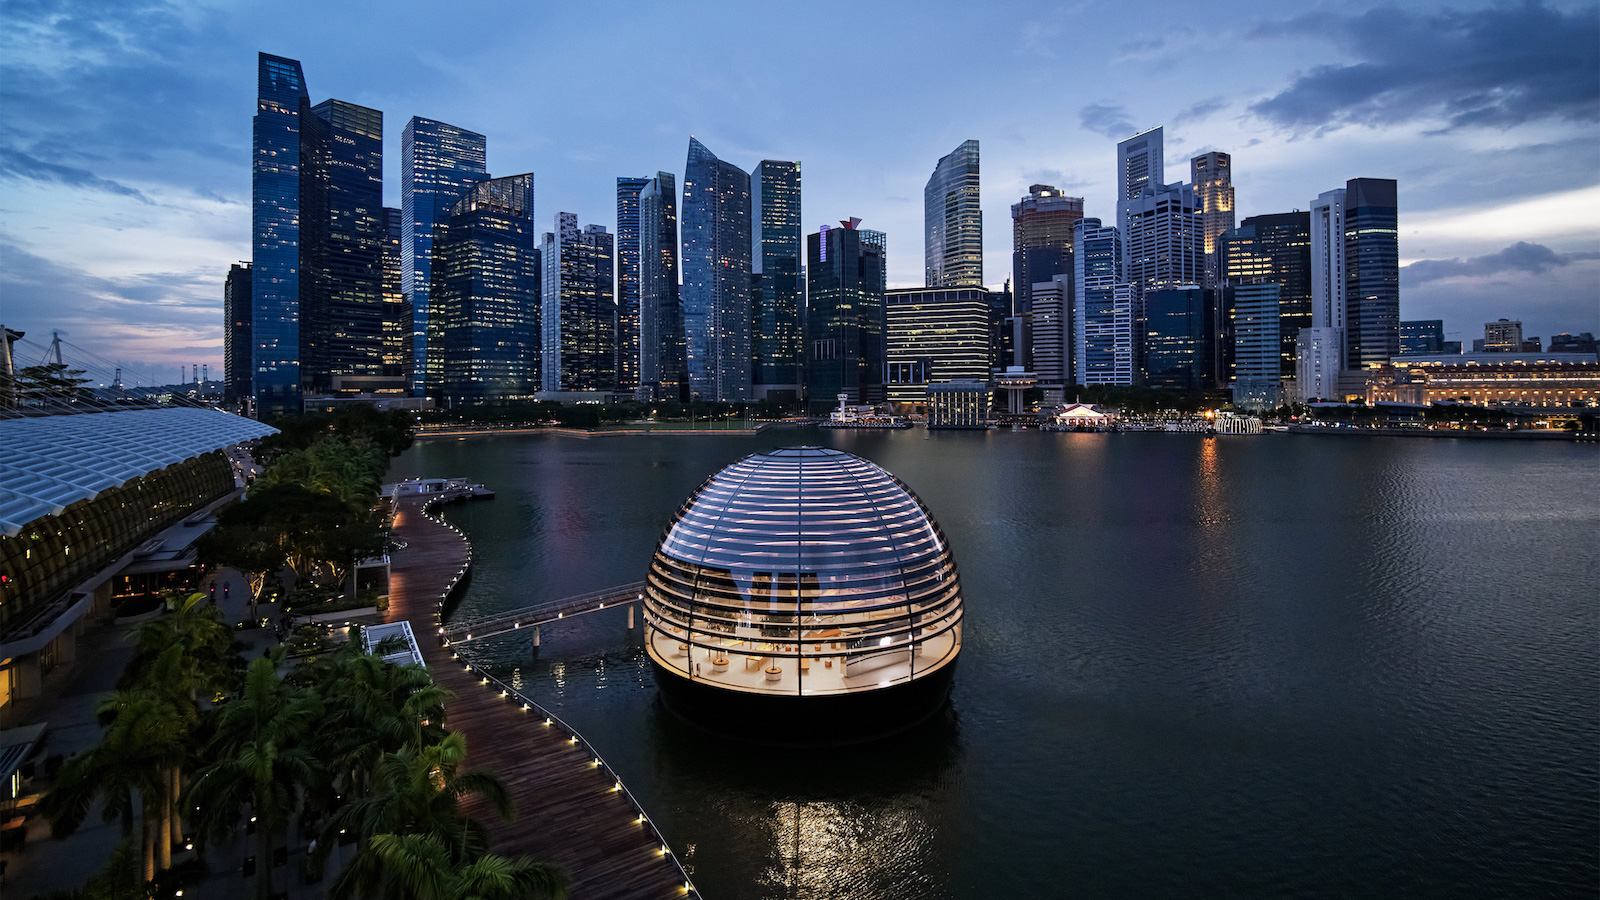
(803, 595)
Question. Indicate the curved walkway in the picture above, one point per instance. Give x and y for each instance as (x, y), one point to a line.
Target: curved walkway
(571, 809)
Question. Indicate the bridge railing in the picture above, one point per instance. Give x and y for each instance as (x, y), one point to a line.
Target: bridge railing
(463, 629)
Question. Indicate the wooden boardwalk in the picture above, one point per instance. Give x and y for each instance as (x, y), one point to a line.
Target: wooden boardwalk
(570, 811)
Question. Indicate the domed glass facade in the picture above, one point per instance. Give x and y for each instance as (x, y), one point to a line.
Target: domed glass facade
(803, 572)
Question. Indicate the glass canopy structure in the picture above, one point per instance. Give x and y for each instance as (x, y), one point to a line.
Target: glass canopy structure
(804, 572)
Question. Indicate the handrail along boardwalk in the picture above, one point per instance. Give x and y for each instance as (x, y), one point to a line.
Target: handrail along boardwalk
(572, 809)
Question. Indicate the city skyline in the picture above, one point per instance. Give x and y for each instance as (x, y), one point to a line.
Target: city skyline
(120, 226)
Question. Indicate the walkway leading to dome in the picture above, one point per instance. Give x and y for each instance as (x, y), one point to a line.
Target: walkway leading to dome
(570, 809)
(542, 613)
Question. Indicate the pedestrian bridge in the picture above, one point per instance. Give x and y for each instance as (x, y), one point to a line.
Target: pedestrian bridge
(542, 613)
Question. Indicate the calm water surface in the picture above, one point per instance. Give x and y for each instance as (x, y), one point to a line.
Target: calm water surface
(1279, 665)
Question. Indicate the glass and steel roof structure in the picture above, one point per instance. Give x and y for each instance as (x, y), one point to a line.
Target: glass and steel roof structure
(803, 571)
(49, 463)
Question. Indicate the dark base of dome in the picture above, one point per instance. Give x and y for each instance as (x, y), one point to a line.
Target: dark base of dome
(806, 720)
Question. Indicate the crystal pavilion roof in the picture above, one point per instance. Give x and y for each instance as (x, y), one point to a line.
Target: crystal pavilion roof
(48, 463)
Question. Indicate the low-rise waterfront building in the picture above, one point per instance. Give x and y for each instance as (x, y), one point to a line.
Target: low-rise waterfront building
(1516, 379)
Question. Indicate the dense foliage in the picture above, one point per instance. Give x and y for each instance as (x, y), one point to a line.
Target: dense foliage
(340, 744)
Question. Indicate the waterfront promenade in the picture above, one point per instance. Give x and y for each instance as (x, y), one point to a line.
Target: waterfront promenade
(570, 810)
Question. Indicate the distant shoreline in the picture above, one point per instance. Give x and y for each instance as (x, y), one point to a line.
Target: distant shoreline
(1509, 435)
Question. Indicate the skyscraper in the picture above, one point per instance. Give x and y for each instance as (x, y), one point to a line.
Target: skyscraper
(236, 322)
(485, 291)
(579, 320)
(845, 317)
(934, 335)
(662, 370)
(1274, 248)
(716, 276)
(1177, 337)
(343, 233)
(1255, 366)
(281, 99)
(628, 281)
(1140, 167)
(775, 288)
(1041, 240)
(1212, 176)
(1319, 349)
(1164, 249)
(953, 221)
(1051, 331)
(396, 311)
(1103, 314)
(1372, 273)
(439, 164)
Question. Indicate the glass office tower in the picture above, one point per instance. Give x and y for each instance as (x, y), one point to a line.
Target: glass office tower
(1103, 307)
(845, 317)
(1372, 273)
(1274, 248)
(775, 288)
(953, 221)
(662, 371)
(716, 276)
(343, 233)
(1422, 336)
(1255, 366)
(579, 320)
(628, 281)
(236, 323)
(281, 100)
(439, 164)
(485, 291)
(397, 312)
(1177, 338)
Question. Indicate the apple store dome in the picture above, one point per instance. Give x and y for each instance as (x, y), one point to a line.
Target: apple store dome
(806, 592)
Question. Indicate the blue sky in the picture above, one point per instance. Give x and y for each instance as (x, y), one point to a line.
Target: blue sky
(125, 127)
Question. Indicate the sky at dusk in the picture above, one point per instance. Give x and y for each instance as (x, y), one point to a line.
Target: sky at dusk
(125, 128)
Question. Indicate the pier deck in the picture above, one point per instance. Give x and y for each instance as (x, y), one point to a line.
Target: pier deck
(569, 810)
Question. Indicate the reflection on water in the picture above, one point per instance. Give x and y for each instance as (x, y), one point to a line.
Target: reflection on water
(1236, 666)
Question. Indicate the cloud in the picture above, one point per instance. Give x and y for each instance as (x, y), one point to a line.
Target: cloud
(1521, 257)
(1496, 67)
(1201, 110)
(1109, 119)
(16, 164)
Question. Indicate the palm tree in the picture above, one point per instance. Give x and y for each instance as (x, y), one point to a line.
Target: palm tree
(146, 734)
(415, 792)
(371, 708)
(421, 867)
(262, 760)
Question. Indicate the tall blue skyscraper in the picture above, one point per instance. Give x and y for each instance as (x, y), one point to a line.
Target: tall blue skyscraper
(775, 337)
(663, 372)
(953, 221)
(628, 281)
(716, 275)
(281, 101)
(439, 164)
(485, 290)
(1103, 316)
(1177, 337)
